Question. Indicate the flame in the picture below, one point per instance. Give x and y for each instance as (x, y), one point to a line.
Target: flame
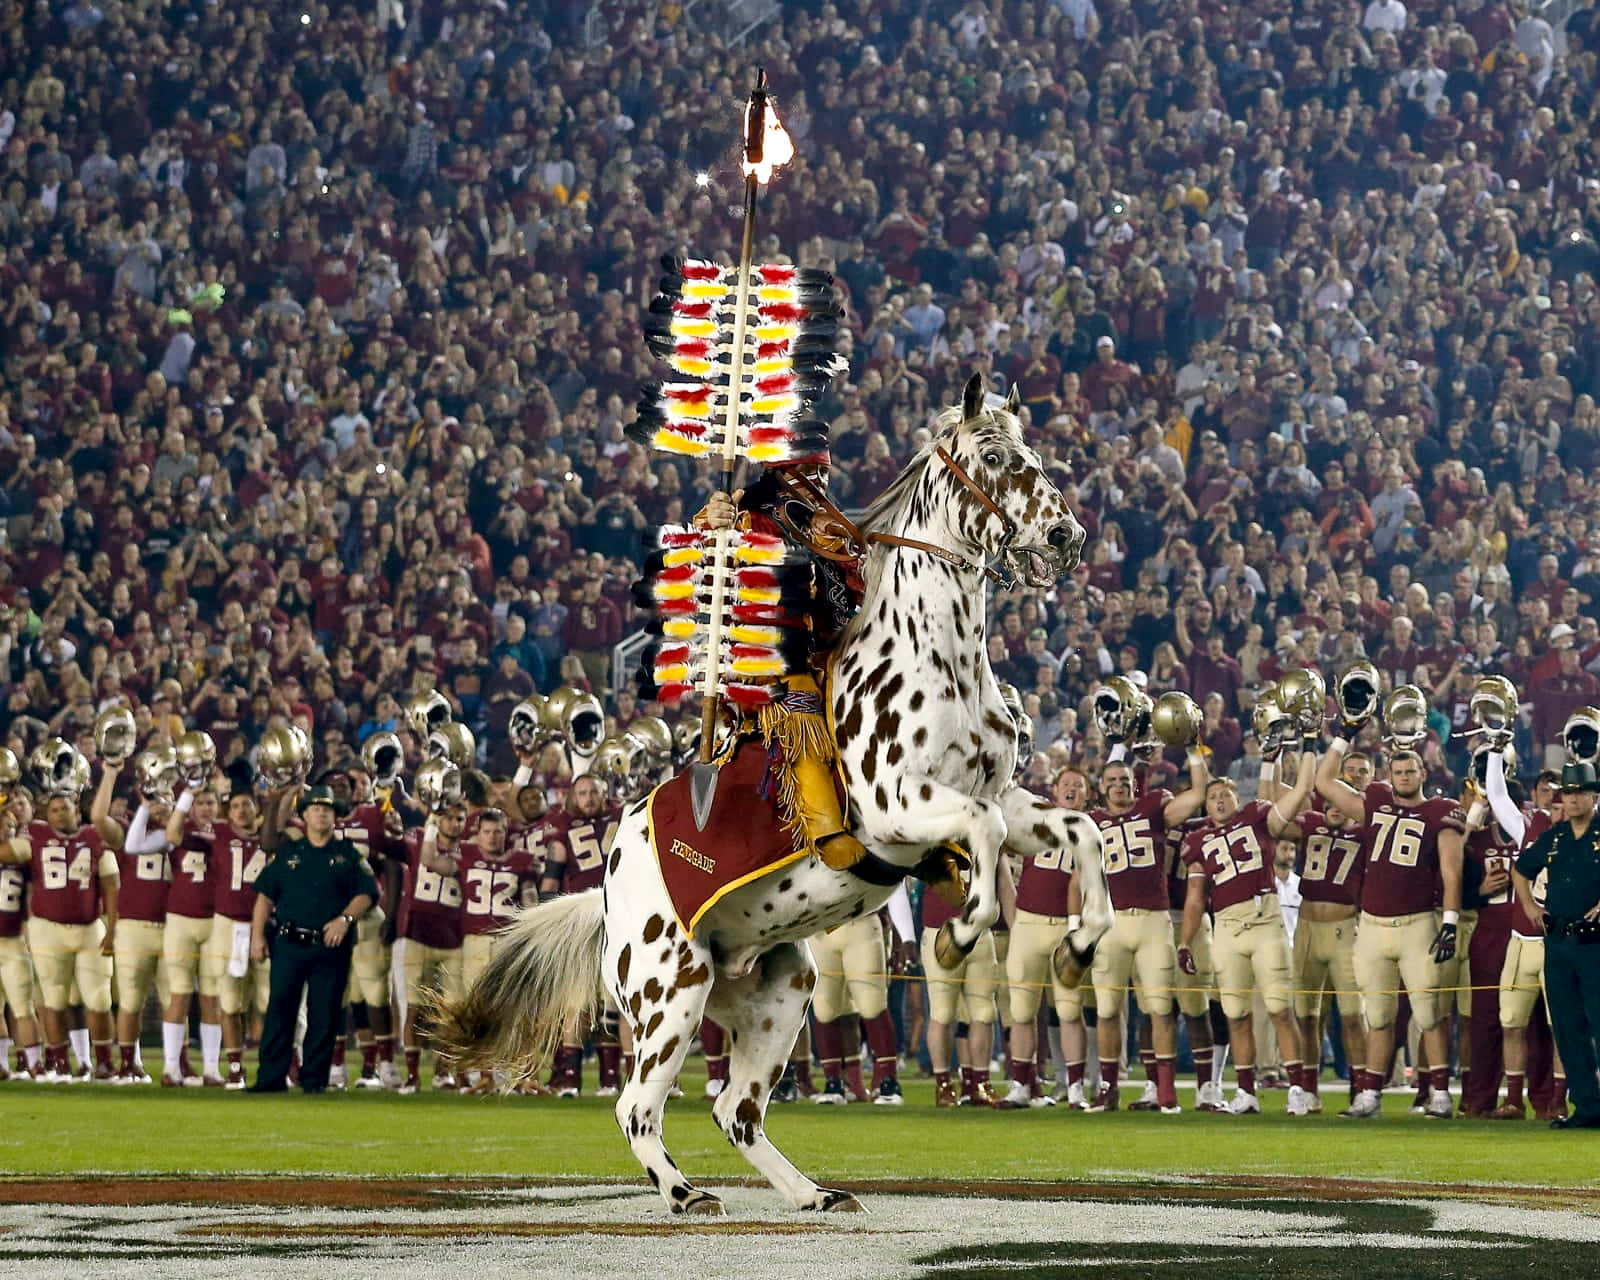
(777, 148)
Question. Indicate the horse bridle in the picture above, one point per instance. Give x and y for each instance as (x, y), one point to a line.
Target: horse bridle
(856, 542)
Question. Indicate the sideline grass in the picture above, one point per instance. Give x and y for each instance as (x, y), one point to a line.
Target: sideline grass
(63, 1131)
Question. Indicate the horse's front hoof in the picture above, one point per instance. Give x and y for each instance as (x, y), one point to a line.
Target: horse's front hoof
(829, 1201)
(702, 1204)
(949, 954)
(1070, 964)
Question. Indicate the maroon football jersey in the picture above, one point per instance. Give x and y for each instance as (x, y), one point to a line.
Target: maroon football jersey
(1177, 868)
(936, 911)
(236, 861)
(13, 893)
(1402, 865)
(430, 906)
(366, 827)
(1235, 856)
(492, 887)
(1485, 852)
(65, 874)
(1134, 846)
(146, 878)
(1538, 823)
(529, 838)
(587, 842)
(191, 893)
(1046, 878)
(1329, 862)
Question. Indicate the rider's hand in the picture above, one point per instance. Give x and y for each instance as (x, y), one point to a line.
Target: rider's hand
(719, 511)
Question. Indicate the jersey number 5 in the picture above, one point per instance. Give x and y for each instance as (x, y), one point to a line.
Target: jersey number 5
(1128, 844)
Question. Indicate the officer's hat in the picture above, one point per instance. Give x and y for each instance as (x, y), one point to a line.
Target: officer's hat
(1578, 775)
(324, 795)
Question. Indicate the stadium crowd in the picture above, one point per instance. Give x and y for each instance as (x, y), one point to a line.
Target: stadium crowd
(322, 331)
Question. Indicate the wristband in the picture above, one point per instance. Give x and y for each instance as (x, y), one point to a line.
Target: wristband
(1338, 747)
(185, 802)
(1074, 923)
(1452, 917)
(1269, 772)
(1119, 753)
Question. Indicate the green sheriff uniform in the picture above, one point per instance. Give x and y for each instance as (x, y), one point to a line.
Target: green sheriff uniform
(1572, 952)
(308, 885)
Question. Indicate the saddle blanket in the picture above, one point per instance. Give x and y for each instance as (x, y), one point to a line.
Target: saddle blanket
(744, 839)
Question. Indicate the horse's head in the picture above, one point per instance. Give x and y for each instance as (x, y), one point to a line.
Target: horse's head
(1001, 501)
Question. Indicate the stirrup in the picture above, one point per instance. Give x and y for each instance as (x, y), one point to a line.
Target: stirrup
(840, 851)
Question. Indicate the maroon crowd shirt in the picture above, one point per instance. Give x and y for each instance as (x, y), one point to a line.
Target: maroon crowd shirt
(1402, 866)
(1235, 856)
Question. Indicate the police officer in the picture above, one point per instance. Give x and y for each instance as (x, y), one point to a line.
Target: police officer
(1569, 855)
(314, 889)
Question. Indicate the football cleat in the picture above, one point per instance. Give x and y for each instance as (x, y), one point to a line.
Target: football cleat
(411, 1085)
(1509, 1111)
(566, 1089)
(369, 1079)
(1076, 1099)
(1367, 1104)
(1440, 1105)
(889, 1093)
(1147, 1101)
(1419, 1104)
(1208, 1097)
(82, 1075)
(1313, 1103)
(236, 1078)
(1041, 1097)
(388, 1075)
(1244, 1104)
(1172, 1109)
(714, 1089)
(213, 1082)
(675, 1092)
(444, 1079)
(1019, 1095)
(337, 1077)
(104, 1074)
(137, 1076)
(944, 1093)
(1299, 1103)
(1106, 1099)
(832, 1094)
(787, 1091)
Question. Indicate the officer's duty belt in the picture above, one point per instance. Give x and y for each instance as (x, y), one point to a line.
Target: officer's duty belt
(298, 934)
(1577, 930)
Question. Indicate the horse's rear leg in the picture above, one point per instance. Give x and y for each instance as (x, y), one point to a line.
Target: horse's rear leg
(763, 1013)
(661, 986)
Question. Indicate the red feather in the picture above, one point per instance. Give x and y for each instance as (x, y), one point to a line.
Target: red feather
(763, 541)
(747, 695)
(693, 348)
(668, 654)
(693, 308)
(782, 313)
(772, 350)
(670, 695)
(681, 537)
(771, 435)
(677, 573)
(696, 270)
(675, 607)
(775, 383)
(682, 427)
(776, 272)
(702, 392)
(766, 615)
(758, 576)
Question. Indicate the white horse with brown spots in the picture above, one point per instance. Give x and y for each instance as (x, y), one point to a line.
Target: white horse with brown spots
(927, 749)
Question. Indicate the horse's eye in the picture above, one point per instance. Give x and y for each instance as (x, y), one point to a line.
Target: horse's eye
(992, 458)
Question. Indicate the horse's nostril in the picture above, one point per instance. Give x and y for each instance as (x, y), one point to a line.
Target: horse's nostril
(1061, 537)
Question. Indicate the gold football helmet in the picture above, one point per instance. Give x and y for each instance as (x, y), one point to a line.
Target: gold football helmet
(10, 771)
(1012, 699)
(1494, 703)
(1405, 717)
(425, 712)
(115, 735)
(614, 764)
(1356, 692)
(1273, 725)
(653, 736)
(1177, 719)
(1024, 743)
(1581, 735)
(1119, 706)
(59, 768)
(197, 756)
(524, 728)
(383, 757)
(156, 774)
(453, 742)
(438, 785)
(1303, 695)
(686, 741)
(576, 717)
(282, 755)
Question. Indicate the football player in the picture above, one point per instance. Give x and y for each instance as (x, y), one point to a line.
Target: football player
(496, 882)
(1195, 991)
(72, 913)
(1329, 863)
(16, 966)
(242, 984)
(1047, 907)
(576, 840)
(430, 929)
(186, 940)
(852, 963)
(1230, 867)
(968, 987)
(1140, 946)
(146, 877)
(1413, 860)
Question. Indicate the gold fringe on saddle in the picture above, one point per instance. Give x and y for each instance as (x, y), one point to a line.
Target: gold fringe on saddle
(804, 744)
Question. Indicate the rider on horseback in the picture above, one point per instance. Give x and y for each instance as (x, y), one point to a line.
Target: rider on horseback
(789, 500)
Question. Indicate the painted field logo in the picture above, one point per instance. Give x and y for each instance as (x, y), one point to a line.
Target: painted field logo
(693, 856)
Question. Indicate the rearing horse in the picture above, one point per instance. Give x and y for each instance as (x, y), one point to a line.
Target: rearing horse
(927, 750)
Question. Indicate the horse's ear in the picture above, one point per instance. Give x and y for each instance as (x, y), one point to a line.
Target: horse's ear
(972, 398)
(1013, 400)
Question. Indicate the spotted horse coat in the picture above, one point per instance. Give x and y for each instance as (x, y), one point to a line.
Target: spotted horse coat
(927, 750)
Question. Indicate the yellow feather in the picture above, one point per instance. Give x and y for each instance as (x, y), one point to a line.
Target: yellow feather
(690, 408)
(777, 293)
(775, 404)
(758, 667)
(703, 289)
(672, 442)
(692, 366)
(755, 635)
(673, 590)
(672, 675)
(692, 327)
(757, 555)
(774, 364)
(774, 332)
(754, 596)
(680, 628)
(683, 556)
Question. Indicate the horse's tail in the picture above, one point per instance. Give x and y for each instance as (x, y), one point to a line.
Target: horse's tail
(543, 980)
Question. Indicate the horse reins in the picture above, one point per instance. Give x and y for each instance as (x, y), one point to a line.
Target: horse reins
(802, 489)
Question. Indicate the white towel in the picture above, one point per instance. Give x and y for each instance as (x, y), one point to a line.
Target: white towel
(239, 959)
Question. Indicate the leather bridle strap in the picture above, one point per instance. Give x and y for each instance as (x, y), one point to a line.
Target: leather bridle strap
(972, 486)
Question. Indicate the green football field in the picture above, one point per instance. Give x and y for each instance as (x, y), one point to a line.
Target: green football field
(86, 1129)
